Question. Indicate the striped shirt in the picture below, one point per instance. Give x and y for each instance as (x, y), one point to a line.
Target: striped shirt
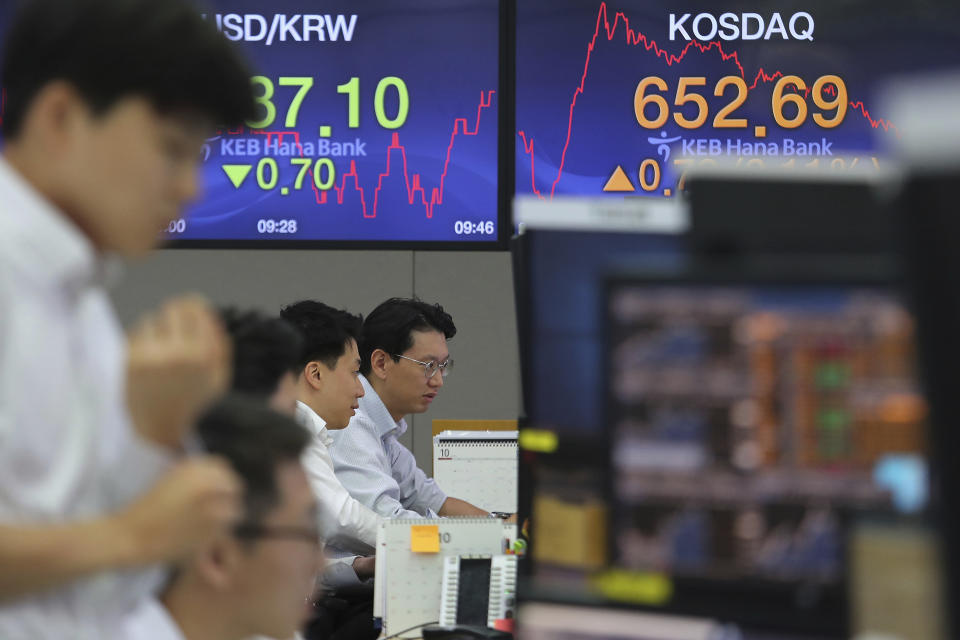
(379, 471)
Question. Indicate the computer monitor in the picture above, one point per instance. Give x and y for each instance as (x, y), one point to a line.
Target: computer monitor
(625, 97)
(556, 273)
(558, 299)
(753, 417)
(651, 514)
(377, 125)
(931, 231)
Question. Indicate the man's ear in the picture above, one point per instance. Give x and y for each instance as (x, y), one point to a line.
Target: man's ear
(217, 564)
(379, 360)
(56, 111)
(314, 373)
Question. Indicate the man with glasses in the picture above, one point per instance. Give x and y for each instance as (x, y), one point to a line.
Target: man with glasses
(404, 360)
(257, 578)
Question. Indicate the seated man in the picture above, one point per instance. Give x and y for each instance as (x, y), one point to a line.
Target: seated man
(266, 357)
(404, 360)
(255, 580)
(327, 394)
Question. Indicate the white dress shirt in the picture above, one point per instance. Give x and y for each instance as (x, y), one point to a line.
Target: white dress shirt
(344, 522)
(67, 449)
(379, 471)
(151, 621)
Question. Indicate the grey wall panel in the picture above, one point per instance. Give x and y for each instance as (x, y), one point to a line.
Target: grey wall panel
(267, 279)
(356, 280)
(477, 290)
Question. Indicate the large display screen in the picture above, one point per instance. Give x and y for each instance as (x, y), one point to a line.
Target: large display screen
(623, 97)
(744, 421)
(377, 122)
(751, 429)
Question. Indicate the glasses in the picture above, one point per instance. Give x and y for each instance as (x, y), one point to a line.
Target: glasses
(259, 531)
(430, 368)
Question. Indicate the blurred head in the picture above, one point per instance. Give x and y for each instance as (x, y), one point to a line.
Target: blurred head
(108, 103)
(266, 357)
(404, 355)
(329, 361)
(258, 576)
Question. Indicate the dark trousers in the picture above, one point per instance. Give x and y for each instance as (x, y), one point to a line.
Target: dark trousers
(342, 617)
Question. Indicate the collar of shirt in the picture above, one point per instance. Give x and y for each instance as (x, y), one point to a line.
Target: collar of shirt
(152, 621)
(44, 243)
(314, 423)
(373, 406)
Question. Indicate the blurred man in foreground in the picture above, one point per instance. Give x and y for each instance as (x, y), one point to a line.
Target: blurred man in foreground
(256, 579)
(108, 103)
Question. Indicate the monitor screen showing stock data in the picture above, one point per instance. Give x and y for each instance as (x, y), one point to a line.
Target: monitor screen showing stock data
(624, 97)
(377, 124)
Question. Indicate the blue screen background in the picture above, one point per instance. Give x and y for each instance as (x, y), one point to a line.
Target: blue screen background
(579, 63)
(447, 55)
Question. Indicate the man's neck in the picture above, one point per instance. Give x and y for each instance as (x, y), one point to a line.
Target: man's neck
(29, 164)
(198, 618)
(377, 385)
(17, 157)
(306, 398)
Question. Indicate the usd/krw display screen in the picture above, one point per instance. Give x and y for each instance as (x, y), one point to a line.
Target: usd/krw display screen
(376, 122)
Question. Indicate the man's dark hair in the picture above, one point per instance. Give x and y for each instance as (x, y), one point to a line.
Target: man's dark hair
(390, 326)
(255, 441)
(326, 331)
(264, 349)
(108, 50)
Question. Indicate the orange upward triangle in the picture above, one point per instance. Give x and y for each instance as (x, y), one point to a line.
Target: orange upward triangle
(619, 181)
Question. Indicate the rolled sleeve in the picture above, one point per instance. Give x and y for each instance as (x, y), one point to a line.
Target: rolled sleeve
(339, 573)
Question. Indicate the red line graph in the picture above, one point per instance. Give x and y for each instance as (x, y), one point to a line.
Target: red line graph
(635, 38)
(414, 190)
(436, 194)
(876, 123)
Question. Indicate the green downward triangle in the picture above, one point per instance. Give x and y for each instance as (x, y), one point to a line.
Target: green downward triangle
(237, 173)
